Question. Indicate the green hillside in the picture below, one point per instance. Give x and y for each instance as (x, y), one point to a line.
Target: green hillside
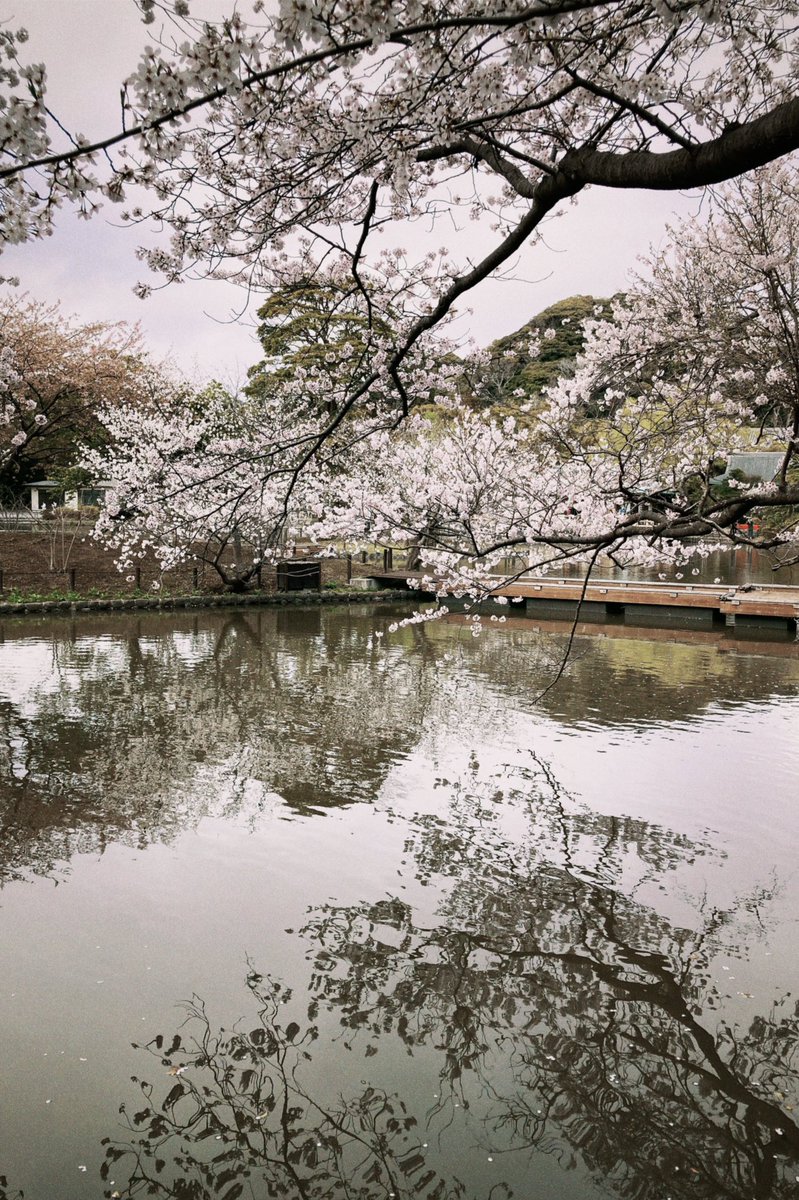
(557, 353)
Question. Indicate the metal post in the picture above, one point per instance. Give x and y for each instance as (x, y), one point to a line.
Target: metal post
(349, 567)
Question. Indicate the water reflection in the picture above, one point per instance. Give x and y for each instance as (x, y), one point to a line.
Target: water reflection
(125, 727)
(240, 1117)
(132, 730)
(464, 982)
(626, 676)
(137, 730)
(565, 1020)
(744, 564)
(604, 1011)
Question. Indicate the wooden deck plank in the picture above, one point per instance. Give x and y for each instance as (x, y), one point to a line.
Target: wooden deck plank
(764, 600)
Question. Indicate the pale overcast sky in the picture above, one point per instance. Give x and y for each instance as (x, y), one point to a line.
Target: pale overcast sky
(91, 267)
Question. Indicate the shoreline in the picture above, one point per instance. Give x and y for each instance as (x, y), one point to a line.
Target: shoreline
(221, 600)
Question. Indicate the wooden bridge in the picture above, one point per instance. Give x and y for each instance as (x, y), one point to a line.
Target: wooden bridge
(638, 601)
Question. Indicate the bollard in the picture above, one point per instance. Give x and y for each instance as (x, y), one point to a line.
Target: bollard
(137, 575)
(195, 578)
(72, 573)
(363, 556)
(349, 568)
(258, 578)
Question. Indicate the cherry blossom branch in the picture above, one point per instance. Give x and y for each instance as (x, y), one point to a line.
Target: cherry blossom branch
(327, 53)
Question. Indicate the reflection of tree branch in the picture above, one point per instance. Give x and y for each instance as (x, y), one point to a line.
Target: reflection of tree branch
(136, 688)
(166, 708)
(588, 994)
(243, 1089)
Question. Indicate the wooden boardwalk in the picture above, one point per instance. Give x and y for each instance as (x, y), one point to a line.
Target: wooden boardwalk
(612, 597)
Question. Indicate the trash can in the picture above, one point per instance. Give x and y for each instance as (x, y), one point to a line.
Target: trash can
(298, 574)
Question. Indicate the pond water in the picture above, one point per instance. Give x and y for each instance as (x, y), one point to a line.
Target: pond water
(744, 564)
(291, 910)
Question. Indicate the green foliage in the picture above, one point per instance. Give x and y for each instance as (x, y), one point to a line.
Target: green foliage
(321, 336)
(300, 322)
(516, 368)
(213, 396)
(727, 491)
(309, 326)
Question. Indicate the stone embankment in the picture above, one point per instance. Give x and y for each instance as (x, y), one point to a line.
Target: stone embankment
(208, 600)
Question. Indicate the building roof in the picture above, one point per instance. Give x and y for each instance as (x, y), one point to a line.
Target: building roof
(100, 483)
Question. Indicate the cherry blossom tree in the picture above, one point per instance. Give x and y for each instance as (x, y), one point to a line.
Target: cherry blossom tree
(55, 373)
(184, 489)
(698, 360)
(621, 457)
(295, 141)
(336, 119)
(226, 479)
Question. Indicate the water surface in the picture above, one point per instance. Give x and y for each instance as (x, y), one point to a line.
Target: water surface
(739, 565)
(292, 910)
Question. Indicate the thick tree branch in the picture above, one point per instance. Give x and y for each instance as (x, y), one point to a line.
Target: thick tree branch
(740, 148)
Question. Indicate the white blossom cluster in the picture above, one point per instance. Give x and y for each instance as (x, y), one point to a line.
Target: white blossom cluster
(228, 478)
(259, 127)
(623, 457)
(278, 147)
(12, 433)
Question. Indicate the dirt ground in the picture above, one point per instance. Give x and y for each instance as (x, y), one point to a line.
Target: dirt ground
(36, 563)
